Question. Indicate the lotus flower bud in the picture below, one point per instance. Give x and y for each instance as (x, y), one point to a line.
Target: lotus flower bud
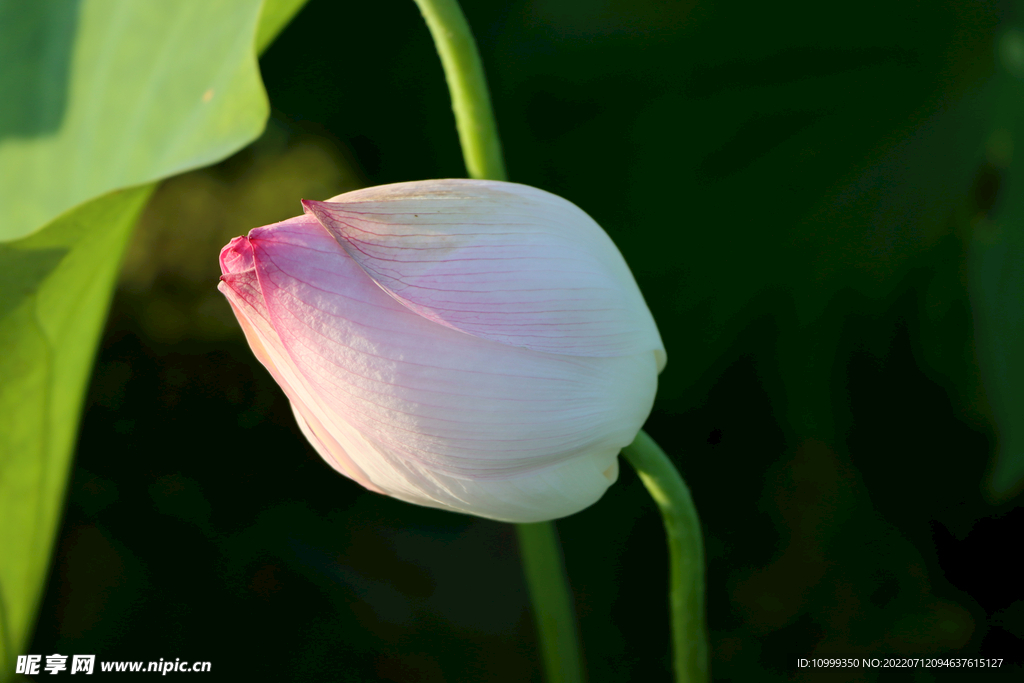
(469, 345)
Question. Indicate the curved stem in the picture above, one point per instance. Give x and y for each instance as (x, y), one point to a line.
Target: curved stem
(471, 102)
(481, 148)
(686, 555)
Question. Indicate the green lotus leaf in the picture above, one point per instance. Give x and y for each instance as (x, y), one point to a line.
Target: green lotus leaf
(98, 100)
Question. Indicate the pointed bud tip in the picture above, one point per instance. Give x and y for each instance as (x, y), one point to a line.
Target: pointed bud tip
(237, 256)
(311, 206)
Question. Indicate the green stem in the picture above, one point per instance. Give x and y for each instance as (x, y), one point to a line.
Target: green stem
(471, 102)
(552, 606)
(481, 149)
(686, 555)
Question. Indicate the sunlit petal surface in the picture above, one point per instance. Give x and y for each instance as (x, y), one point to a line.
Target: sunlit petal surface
(409, 406)
(501, 261)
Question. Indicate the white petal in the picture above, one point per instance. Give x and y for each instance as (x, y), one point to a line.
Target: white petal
(433, 415)
(501, 261)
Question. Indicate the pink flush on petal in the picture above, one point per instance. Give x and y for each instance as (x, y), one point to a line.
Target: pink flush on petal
(237, 256)
(500, 261)
(469, 345)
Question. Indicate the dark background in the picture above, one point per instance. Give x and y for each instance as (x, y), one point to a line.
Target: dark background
(798, 189)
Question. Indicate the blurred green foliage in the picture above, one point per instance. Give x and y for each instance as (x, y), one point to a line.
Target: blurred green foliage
(99, 99)
(57, 285)
(820, 203)
(199, 212)
(104, 95)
